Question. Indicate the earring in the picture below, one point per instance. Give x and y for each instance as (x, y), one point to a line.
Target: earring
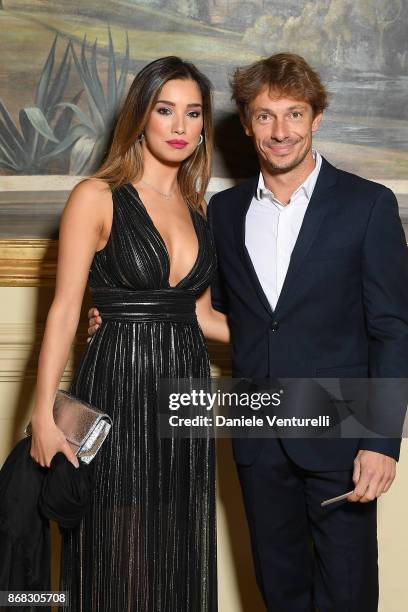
(141, 137)
(200, 140)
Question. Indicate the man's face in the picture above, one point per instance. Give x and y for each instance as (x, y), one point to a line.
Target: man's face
(281, 129)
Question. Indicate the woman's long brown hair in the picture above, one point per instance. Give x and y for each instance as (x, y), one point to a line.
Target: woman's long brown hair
(124, 161)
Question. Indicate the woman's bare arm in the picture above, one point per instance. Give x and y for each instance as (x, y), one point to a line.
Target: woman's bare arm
(213, 323)
(82, 225)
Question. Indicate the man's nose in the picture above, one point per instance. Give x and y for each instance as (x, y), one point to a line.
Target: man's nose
(279, 129)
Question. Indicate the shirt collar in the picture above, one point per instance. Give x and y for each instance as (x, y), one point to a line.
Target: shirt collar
(307, 186)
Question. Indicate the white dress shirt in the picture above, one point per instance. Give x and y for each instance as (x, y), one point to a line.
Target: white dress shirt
(271, 231)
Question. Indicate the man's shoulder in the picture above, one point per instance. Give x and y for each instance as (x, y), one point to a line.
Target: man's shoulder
(243, 189)
(358, 186)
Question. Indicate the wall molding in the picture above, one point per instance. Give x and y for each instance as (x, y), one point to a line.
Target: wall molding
(62, 182)
(32, 262)
(27, 262)
(20, 345)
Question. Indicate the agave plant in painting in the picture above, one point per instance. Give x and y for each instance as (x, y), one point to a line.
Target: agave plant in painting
(47, 140)
(90, 134)
(27, 148)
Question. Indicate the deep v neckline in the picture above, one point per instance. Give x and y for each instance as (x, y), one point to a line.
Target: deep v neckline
(162, 241)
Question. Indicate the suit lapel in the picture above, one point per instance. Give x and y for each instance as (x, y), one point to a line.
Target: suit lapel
(243, 203)
(315, 213)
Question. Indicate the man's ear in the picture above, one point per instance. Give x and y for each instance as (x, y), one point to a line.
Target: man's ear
(246, 125)
(316, 122)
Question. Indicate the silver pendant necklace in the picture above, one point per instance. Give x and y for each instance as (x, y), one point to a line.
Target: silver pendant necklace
(168, 195)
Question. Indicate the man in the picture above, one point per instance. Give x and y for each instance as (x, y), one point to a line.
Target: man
(313, 275)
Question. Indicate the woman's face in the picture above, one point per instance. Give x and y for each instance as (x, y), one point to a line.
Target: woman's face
(173, 130)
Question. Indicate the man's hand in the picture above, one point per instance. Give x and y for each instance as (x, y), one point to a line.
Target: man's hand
(94, 321)
(373, 475)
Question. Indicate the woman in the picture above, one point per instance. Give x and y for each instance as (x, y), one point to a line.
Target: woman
(137, 233)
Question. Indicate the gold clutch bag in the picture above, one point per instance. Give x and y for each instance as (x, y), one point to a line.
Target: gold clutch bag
(84, 426)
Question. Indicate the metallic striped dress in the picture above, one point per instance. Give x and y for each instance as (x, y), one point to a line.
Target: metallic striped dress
(148, 540)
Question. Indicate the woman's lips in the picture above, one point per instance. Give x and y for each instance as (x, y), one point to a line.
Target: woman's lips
(177, 144)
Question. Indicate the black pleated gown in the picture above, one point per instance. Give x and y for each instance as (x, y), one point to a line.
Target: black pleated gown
(148, 541)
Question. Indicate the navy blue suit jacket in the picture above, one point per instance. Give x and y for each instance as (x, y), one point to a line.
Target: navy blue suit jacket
(343, 308)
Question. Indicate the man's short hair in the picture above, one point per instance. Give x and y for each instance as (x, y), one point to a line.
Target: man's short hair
(287, 74)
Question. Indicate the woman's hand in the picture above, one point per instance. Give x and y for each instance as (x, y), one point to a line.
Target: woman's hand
(47, 441)
(94, 322)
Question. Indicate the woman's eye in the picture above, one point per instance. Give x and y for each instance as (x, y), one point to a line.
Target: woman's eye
(164, 111)
(194, 114)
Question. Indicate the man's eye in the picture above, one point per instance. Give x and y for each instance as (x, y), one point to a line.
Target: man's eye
(164, 111)
(297, 115)
(263, 117)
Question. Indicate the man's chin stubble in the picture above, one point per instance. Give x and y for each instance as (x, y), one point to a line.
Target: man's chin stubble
(275, 168)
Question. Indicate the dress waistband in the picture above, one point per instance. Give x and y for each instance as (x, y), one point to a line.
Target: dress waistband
(155, 305)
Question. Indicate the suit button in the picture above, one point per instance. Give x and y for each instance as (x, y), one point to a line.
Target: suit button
(274, 326)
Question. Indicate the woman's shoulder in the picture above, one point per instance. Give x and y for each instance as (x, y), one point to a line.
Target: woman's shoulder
(91, 200)
(92, 188)
(91, 193)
